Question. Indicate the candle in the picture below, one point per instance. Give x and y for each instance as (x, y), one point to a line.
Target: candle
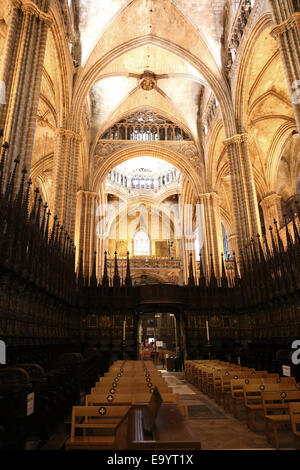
(207, 331)
(124, 329)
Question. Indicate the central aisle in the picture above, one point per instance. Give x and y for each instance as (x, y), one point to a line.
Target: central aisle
(216, 429)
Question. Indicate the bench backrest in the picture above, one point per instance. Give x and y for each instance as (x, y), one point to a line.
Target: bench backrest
(101, 399)
(131, 388)
(111, 399)
(278, 400)
(252, 392)
(237, 385)
(91, 416)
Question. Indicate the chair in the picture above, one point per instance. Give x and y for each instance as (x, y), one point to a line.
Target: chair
(103, 423)
(276, 405)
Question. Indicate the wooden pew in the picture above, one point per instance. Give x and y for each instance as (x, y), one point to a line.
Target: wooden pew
(277, 402)
(135, 398)
(132, 398)
(110, 423)
(253, 399)
(224, 393)
(130, 385)
(171, 430)
(237, 390)
(109, 399)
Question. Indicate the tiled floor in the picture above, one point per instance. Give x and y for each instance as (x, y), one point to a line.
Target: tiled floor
(217, 429)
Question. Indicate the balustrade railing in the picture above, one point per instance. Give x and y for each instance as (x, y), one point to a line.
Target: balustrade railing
(237, 30)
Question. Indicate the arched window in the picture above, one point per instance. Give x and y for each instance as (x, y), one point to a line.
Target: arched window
(141, 244)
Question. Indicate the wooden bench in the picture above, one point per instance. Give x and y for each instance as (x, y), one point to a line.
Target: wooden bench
(253, 399)
(171, 430)
(214, 381)
(130, 387)
(276, 410)
(224, 394)
(135, 398)
(237, 390)
(107, 424)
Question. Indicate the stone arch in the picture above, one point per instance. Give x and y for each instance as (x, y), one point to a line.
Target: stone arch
(65, 78)
(213, 159)
(218, 84)
(111, 121)
(171, 156)
(280, 140)
(240, 93)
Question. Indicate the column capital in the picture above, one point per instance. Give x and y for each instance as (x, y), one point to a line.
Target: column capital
(86, 193)
(237, 139)
(60, 131)
(210, 194)
(28, 6)
(232, 236)
(291, 23)
(269, 200)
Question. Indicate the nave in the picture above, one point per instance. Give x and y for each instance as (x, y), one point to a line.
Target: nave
(215, 405)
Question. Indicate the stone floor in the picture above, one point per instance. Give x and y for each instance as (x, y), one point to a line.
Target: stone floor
(219, 430)
(215, 428)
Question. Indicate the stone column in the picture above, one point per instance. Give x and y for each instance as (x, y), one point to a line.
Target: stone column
(233, 243)
(179, 235)
(65, 177)
(86, 228)
(271, 207)
(291, 204)
(188, 246)
(245, 207)
(213, 231)
(22, 73)
(101, 239)
(287, 34)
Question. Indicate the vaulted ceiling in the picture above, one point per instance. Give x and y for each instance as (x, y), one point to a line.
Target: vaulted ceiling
(178, 84)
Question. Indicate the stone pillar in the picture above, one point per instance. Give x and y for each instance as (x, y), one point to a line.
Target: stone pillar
(101, 239)
(179, 235)
(22, 73)
(245, 207)
(65, 177)
(287, 34)
(87, 204)
(233, 243)
(213, 243)
(188, 246)
(291, 204)
(271, 207)
(282, 10)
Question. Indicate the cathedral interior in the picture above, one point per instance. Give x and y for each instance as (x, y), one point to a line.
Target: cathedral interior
(149, 217)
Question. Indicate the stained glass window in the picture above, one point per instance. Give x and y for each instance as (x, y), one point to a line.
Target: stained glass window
(141, 244)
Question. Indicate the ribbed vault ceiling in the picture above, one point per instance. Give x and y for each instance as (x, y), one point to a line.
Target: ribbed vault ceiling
(178, 84)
